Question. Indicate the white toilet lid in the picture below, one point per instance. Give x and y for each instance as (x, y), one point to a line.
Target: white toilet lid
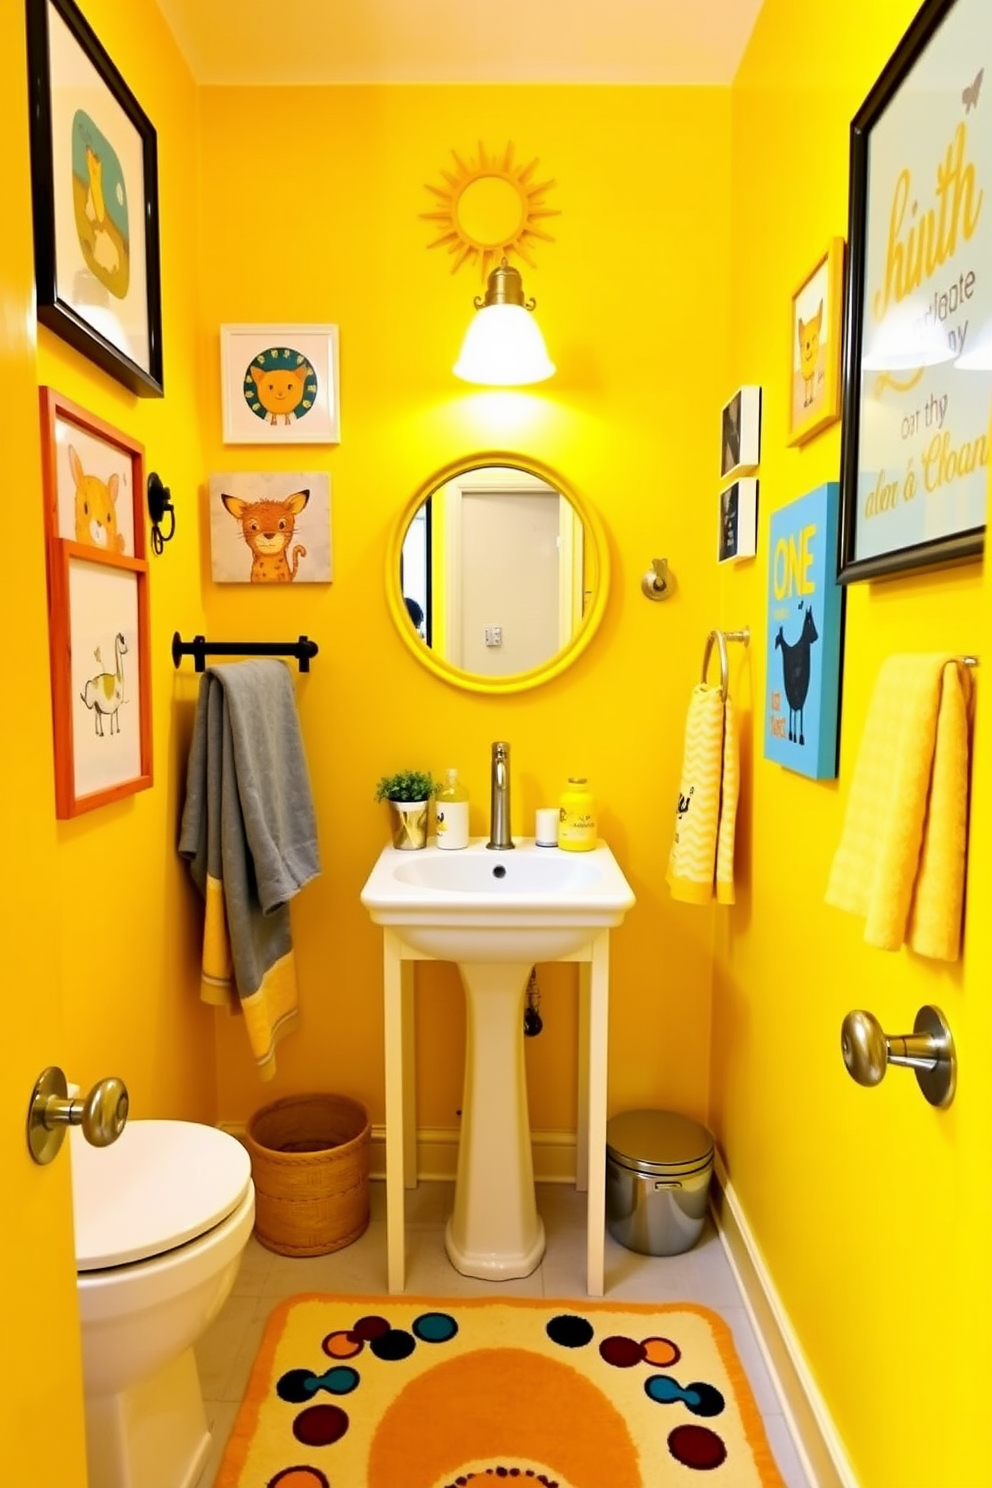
(161, 1184)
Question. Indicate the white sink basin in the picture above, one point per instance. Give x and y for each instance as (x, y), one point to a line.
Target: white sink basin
(474, 904)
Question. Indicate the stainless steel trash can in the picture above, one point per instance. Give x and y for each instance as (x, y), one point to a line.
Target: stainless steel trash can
(658, 1169)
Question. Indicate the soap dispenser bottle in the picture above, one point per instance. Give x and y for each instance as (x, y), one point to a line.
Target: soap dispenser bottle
(577, 830)
(451, 813)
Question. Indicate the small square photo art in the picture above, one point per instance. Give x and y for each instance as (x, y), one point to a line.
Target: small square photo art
(270, 527)
(740, 433)
(738, 533)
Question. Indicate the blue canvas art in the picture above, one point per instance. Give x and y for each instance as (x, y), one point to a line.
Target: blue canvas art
(805, 635)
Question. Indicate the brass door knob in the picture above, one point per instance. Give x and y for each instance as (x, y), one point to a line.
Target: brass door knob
(928, 1050)
(102, 1114)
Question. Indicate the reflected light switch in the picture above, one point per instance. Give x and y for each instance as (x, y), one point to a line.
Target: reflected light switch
(494, 635)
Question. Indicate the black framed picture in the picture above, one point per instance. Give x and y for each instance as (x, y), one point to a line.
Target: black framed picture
(918, 344)
(94, 186)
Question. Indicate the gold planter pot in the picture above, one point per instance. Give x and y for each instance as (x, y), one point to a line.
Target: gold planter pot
(408, 823)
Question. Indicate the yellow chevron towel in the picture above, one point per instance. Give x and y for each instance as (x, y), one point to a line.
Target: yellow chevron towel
(901, 858)
(701, 862)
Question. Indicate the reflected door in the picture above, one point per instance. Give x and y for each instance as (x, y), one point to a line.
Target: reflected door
(509, 567)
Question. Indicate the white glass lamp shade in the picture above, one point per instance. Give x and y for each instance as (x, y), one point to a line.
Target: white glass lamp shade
(503, 347)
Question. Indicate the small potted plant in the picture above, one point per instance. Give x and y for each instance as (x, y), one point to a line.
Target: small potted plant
(408, 793)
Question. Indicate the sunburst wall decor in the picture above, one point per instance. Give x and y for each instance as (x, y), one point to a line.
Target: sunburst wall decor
(489, 208)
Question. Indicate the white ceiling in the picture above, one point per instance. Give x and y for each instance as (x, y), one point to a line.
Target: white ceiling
(461, 41)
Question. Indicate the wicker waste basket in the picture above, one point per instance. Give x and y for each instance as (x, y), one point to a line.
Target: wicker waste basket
(310, 1167)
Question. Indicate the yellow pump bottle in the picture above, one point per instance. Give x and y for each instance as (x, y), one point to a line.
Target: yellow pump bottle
(451, 813)
(577, 830)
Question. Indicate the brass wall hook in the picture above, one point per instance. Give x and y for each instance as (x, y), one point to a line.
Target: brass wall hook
(659, 582)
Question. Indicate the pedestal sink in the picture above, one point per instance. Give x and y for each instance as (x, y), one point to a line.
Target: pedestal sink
(495, 914)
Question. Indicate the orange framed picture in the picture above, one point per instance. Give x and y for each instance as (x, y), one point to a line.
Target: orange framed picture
(817, 321)
(98, 625)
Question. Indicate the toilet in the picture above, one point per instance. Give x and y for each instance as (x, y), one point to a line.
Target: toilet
(162, 1218)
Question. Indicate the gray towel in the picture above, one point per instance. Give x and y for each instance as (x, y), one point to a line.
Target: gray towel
(250, 836)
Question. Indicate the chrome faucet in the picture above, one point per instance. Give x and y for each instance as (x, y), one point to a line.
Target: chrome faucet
(499, 811)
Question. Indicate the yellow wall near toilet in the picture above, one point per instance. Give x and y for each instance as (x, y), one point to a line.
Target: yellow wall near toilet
(97, 924)
(679, 209)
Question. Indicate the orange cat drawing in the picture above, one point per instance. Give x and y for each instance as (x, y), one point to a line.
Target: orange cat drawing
(809, 353)
(96, 508)
(267, 527)
(280, 391)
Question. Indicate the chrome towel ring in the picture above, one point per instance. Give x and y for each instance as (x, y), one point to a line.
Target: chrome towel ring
(720, 639)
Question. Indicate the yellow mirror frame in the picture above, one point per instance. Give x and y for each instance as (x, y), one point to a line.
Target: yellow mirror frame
(595, 537)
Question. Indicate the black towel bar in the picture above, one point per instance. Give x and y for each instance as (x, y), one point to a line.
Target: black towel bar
(200, 648)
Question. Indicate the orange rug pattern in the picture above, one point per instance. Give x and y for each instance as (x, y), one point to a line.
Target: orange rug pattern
(408, 1392)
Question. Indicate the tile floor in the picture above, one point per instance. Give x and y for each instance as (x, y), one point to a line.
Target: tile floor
(227, 1350)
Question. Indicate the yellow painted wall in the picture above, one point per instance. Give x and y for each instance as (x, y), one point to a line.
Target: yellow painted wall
(37, 1268)
(126, 910)
(97, 951)
(870, 1208)
(312, 214)
(117, 908)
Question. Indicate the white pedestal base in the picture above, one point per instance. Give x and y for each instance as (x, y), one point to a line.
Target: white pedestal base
(401, 1133)
(495, 1231)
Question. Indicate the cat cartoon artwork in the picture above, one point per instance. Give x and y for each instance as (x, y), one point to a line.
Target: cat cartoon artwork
(267, 527)
(257, 523)
(815, 382)
(100, 206)
(95, 507)
(808, 332)
(280, 384)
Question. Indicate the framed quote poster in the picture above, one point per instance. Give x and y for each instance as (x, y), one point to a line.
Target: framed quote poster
(918, 358)
(805, 636)
(94, 189)
(98, 608)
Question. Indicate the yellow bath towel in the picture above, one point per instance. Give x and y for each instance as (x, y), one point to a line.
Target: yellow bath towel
(701, 862)
(901, 858)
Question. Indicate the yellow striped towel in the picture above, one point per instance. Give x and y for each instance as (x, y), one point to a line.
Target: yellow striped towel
(701, 862)
(901, 858)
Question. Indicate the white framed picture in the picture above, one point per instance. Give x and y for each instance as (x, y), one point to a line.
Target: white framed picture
(738, 534)
(279, 384)
(740, 433)
(270, 527)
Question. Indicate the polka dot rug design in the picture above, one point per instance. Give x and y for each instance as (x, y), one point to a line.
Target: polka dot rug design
(407, 1392)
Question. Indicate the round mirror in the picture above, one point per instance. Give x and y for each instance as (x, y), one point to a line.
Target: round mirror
(497, 573)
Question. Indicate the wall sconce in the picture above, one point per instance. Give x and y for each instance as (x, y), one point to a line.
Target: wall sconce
(160, 502)
(503, 345)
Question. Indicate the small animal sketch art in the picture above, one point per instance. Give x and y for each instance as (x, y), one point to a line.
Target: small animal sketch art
(280, 385)
(796, 672)
(100, 205)
(270, 528)
(104, 693)
(969, 96)
(809, 353)
(95, 507)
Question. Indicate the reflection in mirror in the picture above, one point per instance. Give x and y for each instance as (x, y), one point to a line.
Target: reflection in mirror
(499, 573)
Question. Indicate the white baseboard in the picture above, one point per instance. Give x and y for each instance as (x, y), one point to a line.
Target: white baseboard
(817, 1441)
